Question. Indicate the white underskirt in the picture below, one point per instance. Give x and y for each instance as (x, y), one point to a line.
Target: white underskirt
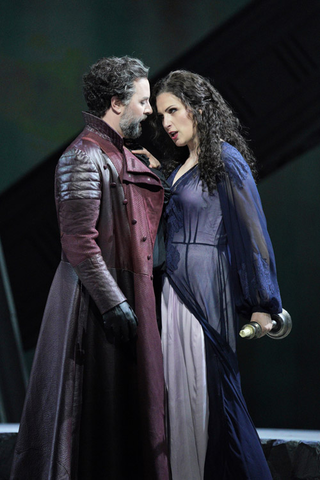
(185, 376)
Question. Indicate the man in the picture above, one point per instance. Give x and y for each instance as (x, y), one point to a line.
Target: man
(95, 403)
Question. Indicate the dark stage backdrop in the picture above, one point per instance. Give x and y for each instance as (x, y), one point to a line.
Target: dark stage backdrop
(45, 47)
(265, 62)
(281, 378)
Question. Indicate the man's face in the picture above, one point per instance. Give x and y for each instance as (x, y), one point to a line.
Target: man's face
(137, 110)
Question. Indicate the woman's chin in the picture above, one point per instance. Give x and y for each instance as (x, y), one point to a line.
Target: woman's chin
(179, 143)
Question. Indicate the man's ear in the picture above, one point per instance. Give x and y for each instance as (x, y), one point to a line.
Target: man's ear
(117, 105)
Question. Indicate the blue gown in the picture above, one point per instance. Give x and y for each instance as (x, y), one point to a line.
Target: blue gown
(221, 263)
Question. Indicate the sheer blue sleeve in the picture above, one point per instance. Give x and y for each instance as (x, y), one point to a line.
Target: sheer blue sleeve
(251, 253)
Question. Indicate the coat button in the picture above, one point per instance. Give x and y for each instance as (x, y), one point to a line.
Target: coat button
(113, 184)
(148, 257)
(144, 239)
(134, 221)
(125, 201)
(105, 167)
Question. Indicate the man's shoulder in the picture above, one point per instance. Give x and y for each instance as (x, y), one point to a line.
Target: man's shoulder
(80, 155)
(90, 152)
(88, 146)
(82, 142)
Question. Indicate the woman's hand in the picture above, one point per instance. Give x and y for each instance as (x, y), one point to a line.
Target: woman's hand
(153, 162)
(264, 320)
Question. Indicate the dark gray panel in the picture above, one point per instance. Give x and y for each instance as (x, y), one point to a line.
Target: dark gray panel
(266, 63)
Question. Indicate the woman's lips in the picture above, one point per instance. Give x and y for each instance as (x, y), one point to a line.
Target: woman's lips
(174, 135)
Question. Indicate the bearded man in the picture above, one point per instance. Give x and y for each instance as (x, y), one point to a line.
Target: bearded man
(95, 402)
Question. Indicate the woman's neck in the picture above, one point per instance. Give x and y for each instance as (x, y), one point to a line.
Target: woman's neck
(193, 156)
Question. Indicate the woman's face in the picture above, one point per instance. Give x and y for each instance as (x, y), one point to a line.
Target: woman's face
(176, 120)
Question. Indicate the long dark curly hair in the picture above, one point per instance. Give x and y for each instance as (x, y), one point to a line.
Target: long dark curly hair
(213, 119)
(108, 77)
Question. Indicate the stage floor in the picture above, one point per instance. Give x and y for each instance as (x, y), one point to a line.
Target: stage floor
(291, 454)
(9, 427)
(264, 433)
(289, 435)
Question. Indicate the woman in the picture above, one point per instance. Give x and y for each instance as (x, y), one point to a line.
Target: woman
(220, 263)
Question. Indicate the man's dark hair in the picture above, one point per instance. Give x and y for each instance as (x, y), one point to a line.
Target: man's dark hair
(113, 76)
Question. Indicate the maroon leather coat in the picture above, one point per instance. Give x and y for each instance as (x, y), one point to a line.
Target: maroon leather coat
(94, 410)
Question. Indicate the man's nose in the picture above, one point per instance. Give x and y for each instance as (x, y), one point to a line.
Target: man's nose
(148, 109)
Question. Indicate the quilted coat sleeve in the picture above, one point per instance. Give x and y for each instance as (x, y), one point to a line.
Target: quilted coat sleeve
(252, 257)
(78, 194)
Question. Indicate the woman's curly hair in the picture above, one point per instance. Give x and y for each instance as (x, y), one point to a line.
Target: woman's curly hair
(113, 76)
(213, 119)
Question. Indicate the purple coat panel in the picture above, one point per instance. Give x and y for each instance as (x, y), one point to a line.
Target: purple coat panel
(94, 410)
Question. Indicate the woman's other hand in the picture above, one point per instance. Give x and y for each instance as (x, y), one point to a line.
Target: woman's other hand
(264, 320)
(153, 162)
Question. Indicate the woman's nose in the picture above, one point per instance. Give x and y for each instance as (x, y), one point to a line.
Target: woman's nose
(166, 122)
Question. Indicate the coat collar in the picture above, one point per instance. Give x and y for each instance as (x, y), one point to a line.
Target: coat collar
(101, 128)
(134, 165)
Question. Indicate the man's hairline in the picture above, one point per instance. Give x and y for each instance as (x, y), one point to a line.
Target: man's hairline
(135, 80)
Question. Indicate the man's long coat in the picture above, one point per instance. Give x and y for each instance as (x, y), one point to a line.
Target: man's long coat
(95, 410)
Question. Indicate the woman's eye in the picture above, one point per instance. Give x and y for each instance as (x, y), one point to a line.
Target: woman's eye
(172, 110)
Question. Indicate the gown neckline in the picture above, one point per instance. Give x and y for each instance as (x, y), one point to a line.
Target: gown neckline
(182, 176)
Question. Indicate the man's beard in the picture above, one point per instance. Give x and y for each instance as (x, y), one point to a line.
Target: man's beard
(130, 125)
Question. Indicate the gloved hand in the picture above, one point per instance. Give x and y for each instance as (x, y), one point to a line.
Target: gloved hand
(120, 323)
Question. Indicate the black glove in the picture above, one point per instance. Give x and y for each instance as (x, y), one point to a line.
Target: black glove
(120, 323)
